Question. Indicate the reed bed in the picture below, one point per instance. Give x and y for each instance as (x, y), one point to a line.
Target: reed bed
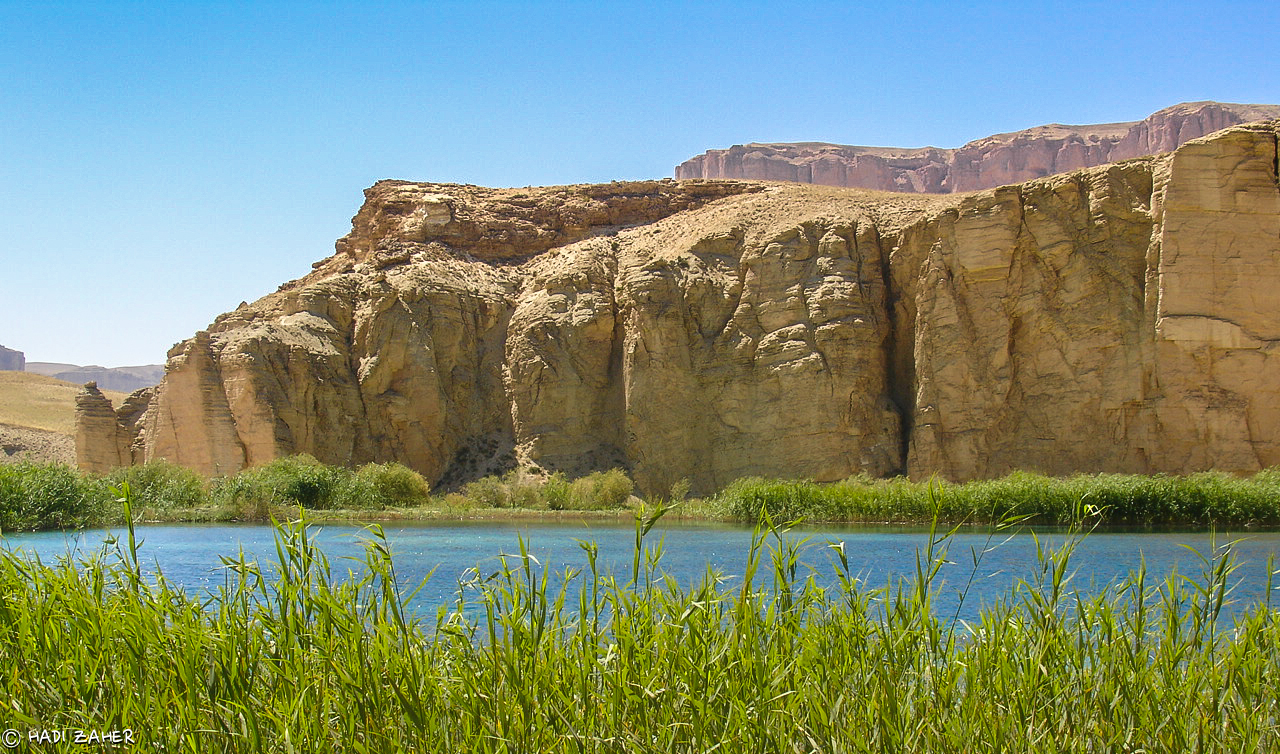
(1204, 499)
(300, 655)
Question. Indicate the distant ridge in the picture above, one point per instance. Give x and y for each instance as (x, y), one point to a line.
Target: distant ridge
(992, 161)
(121, 379)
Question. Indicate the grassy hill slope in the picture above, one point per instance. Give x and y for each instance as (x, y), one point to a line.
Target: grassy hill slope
(38, 402)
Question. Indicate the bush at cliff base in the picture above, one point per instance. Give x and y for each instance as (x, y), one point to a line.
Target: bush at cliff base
(384, 485)
(162, 486)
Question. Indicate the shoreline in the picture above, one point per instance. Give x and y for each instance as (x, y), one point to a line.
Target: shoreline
(627, 516)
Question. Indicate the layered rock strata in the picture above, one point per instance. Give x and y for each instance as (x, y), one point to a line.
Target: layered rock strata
(993, 161)
(1120, 318)
(107, 437)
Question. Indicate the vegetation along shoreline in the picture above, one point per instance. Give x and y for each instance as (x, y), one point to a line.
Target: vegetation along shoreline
(35, 496)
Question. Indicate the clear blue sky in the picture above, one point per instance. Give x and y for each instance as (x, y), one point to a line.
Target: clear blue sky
(161, 162)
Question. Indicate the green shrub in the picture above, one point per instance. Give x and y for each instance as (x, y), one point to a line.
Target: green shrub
(49, 496)
(602, 490)
(305, 481)
(162, 486)
(557, 492)
(524, 490)
(244, 497)
(779, 499)
(456, 502)
(488, 492)
(393, 485)
(294, 480)
(350, 492)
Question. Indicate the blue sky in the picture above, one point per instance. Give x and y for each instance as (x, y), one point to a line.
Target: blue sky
(161, 162)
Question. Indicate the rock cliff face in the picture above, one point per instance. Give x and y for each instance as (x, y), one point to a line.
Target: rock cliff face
(986, 163)
(11, 360)
(1121, 318)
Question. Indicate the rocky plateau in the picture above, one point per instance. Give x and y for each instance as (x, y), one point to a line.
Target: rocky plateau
(985, 163)
(1116, 318)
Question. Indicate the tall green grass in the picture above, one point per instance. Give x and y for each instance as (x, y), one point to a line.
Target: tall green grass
(297, 655)
(1197, 499)
(48, 495)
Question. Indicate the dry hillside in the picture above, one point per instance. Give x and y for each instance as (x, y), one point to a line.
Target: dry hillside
(37, 417)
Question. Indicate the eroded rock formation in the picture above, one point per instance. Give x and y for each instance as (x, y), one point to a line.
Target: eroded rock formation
(985, 163)
(1121, 318)
(107, 437)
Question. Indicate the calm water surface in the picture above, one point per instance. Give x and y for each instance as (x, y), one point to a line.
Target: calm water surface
(189, 554)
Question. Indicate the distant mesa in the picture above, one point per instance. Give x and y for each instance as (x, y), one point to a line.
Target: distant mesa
(992, 161)
(11, 360)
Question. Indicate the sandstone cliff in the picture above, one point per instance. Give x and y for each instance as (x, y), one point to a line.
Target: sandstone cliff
(986, 163)
(1120, 318)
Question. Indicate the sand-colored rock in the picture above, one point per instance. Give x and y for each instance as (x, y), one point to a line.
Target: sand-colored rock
(1024, 311)
(1119, 318)
(107, 437)
(1218, 314)
(992, 161)
(97, 437)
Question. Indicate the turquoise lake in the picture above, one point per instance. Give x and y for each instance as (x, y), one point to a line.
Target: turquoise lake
(190, 554)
